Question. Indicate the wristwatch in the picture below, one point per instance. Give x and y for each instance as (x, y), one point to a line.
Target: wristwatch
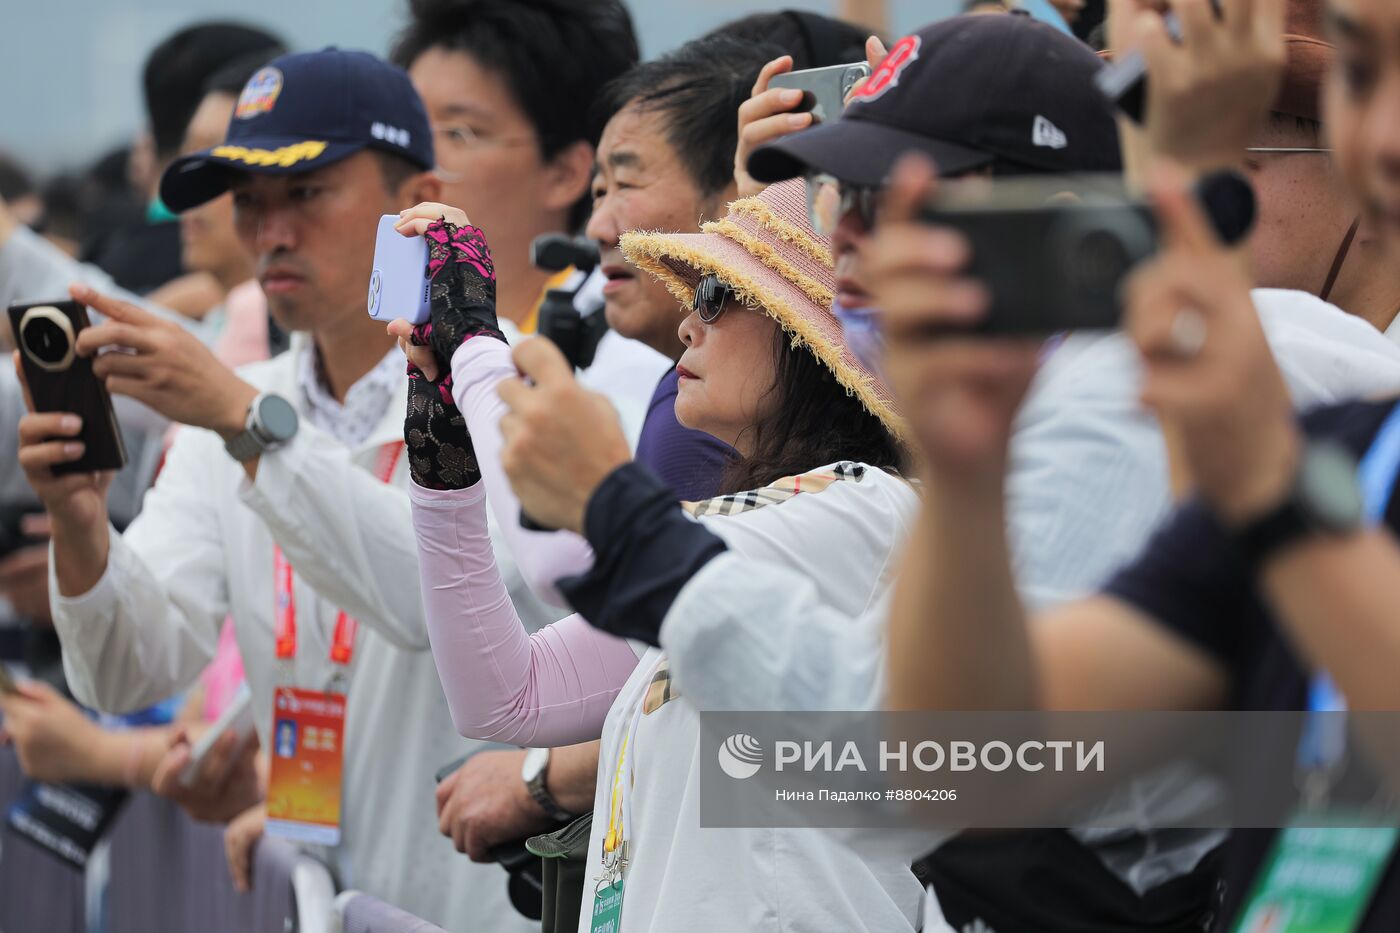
(1325, 499)
(533, 774)
(271, 422)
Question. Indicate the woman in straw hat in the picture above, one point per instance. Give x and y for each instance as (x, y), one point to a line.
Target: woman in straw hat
(816, 487)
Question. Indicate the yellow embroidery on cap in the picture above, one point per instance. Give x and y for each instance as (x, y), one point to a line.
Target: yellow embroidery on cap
(285, 157)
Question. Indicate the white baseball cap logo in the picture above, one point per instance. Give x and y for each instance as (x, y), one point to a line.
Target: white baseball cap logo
(1047, 134)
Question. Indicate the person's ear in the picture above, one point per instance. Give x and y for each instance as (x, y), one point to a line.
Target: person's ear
(425, 186)
(568, 175)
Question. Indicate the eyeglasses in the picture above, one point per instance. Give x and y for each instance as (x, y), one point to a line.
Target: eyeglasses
(1288, 150)
(828, 200)
(461, 136)
(453, 142)
(711, 298)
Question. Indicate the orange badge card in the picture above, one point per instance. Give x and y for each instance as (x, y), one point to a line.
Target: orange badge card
(307, 754)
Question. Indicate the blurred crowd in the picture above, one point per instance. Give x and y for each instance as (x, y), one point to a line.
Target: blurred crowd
(805, 419)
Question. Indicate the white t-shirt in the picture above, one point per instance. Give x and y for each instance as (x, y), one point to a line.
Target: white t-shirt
(682, 878)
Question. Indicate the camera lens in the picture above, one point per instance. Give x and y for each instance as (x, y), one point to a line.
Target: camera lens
(1098, 261)
(46, 341)
(1096, 247)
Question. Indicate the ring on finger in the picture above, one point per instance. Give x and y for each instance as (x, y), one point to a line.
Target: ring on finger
(1188, 332)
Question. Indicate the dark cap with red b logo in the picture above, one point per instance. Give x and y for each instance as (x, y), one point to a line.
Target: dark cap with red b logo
(966, 91)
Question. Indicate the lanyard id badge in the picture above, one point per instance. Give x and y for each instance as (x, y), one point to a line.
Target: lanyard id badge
(1321, 879)
(306, 777)
(1318, 880)
(304, 786)
(617, 847)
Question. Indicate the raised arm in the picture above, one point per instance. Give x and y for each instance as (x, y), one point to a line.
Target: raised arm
(144, 627)
(464, 332)
(551, 688)
(478, 368)
(960, 637)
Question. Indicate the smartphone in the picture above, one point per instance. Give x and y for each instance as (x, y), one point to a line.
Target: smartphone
(1055, 251)
(7, 680)
(825, 89)
(60, 380)
(399, 282)
(236, 718)
(1124, 81)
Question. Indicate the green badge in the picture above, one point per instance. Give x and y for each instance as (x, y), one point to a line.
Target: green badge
(607, 909)
(1317, 880)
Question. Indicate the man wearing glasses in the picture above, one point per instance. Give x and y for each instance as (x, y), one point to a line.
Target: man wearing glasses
(509, 88)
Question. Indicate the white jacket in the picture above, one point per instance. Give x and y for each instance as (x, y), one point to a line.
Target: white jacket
(202, 549)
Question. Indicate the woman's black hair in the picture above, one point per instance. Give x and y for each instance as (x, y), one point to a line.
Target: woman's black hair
(815, 422)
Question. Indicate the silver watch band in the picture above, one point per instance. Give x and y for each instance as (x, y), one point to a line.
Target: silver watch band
(245, 446)
(535, 786)
(257, 437)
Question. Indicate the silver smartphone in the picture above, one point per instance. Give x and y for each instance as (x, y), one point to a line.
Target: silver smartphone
(824, 89)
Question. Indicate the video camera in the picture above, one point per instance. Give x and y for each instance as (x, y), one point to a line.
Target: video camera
(575, 333)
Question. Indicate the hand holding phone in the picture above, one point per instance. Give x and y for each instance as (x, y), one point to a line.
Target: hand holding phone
(824, 89)
(1214, 73)
(60, 380)
(237, 718)
(398, 282)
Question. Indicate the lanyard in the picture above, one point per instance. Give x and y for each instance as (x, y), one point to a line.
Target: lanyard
(1324, 740)
(284, 608)
(615, 853)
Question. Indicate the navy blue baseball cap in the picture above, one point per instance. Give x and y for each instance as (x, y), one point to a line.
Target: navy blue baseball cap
(302, 112)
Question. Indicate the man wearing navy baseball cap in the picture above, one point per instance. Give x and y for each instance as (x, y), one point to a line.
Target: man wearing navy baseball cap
(287, 511)
(303, 112)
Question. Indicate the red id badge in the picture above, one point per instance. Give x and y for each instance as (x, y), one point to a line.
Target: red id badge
(307, 754)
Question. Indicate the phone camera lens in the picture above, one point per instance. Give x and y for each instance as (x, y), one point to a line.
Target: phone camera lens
(1099, 260)
(1097, 248)
(46, 341)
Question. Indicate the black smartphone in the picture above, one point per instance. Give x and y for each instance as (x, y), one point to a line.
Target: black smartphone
(46, 333)
(824, 89)
(1124, 81)
(1054, 251)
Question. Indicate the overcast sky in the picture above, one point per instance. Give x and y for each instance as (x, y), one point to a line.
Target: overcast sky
(70, 69)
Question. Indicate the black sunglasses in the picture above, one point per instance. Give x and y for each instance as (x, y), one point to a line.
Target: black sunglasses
(711, 296)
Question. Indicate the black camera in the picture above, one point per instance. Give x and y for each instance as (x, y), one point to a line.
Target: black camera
(576, 334)
(1054, 251)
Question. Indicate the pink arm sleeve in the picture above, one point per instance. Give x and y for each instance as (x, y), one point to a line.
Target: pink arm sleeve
(478, 366)
(551, 688)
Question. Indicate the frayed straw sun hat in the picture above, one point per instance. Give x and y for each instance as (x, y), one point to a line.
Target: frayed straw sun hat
(766, 251)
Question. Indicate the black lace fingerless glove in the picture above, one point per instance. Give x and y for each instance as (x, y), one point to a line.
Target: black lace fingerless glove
(462, 296)
(440, 454)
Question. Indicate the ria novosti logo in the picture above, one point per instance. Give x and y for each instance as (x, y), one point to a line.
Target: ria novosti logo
(741, 756)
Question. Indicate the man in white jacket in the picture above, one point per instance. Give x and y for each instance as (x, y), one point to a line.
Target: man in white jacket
(281, 456)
